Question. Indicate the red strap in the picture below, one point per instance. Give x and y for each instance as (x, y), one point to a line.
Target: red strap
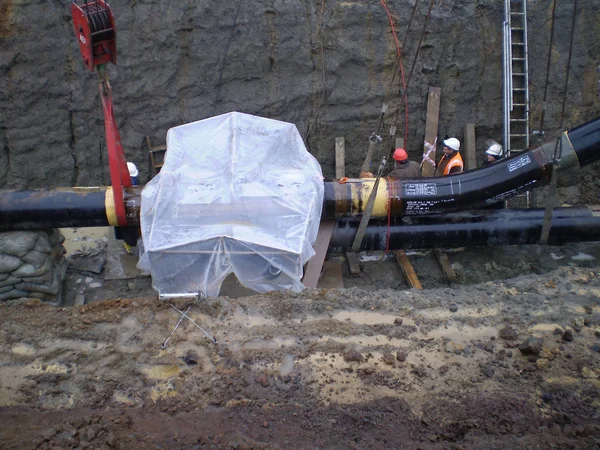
(119, 175)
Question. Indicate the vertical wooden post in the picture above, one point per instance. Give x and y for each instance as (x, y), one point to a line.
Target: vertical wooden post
(431, 131)
(340, 158)
(470, 158)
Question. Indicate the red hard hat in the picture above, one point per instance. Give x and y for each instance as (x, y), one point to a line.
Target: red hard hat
(400, 154)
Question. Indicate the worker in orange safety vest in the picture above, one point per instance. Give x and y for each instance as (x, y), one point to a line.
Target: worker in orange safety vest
(451, 162)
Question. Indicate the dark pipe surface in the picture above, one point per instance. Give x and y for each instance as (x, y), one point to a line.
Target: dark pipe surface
(586, 141)
(85, 207)
(44, 209)
(475, 229)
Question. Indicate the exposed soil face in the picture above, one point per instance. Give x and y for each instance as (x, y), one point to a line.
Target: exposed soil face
(325, 66)
(500, 364)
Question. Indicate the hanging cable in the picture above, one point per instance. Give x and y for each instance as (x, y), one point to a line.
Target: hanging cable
(399, 53)
(320, 36)
(562, 114)
(418, 50)
(541, 130)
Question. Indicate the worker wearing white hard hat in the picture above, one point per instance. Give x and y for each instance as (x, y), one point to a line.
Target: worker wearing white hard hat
(451, 162)
(133, 173)
(494, 152)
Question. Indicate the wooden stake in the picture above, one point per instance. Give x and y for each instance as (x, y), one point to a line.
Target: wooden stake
(407, 269)
(340, 158)
(431, 131)
(470, 158)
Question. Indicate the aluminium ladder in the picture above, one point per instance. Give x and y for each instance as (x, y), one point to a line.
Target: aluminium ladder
(516, 80)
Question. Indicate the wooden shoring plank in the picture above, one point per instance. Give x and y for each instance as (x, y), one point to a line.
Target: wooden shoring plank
(407, 269)
(431, 131)
(315, 264)
(447, 269)
(340, 158)
(470, 157)
(353, 264)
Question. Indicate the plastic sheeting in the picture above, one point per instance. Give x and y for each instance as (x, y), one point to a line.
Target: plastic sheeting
(237, 194)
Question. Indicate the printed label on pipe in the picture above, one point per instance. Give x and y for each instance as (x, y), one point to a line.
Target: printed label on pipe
(518, 163)
(420, 189)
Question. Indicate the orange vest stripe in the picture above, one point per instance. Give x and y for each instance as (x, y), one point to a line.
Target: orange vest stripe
(456, 161)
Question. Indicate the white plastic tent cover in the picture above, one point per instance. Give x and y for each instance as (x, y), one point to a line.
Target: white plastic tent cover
(237, 193)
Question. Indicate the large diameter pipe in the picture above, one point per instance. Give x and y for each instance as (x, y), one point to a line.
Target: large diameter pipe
(472, 229)
(473, 189)
(65, 207)
(70, 207)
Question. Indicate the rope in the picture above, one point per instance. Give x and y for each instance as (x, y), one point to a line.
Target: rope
(566, 89)
(548, 68)
(418, 50)
(399, 53)
(320, 35)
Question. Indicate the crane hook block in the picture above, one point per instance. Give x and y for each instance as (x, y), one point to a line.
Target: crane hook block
(94, 26)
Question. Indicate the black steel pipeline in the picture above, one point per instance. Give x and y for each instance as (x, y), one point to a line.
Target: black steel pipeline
(85, 207)
(473, 189)
(64, 207)
(472, 229)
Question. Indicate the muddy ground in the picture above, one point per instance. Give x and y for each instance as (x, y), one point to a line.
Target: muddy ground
(508, 357)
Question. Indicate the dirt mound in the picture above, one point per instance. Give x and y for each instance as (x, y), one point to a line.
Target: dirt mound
(321, 369)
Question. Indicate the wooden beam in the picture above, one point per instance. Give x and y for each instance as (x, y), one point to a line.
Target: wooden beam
(315, 264)
(407, 269)
(431, 131)
(447, 269)
(353, 264)
(340, 158)
(470, 158)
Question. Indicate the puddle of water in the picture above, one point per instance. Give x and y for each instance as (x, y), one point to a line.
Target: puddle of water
(23, 349)
(12, 377)
(80, 239)
(544, 327)
(363, 340)
(463, 333)
(444, 313)
(245, 320)
(277, 342)
(366, 318)
(70, 344)
(123, 399)
(162, 390)
(160, 371)
(582, 257)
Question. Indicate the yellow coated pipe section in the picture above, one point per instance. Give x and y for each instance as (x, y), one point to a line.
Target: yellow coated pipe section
(109, 205)
(361, 190)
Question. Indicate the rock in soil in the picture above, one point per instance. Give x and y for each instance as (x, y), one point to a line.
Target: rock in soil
(353, 355)
(531, 346)
(488, 371)
(508, 334)
(568, 336)
(388, 358)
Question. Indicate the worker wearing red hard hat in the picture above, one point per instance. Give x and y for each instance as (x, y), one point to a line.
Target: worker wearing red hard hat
(403, 168)
(451, 162)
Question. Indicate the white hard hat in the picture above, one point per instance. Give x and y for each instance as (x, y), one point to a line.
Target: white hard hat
(133, 172)
(495, 150)
(453, 143)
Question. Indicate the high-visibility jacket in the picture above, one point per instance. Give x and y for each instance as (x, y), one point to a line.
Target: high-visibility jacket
(454, 161)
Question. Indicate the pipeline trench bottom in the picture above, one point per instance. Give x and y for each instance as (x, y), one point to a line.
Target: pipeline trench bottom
(507, 354)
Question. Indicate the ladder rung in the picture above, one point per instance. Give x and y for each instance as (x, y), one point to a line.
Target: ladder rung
(519, 104)
(519, 89)
(519, 43)
(518, 120)
(519, 74)
(517, 13)
(518, 135)
(518, 59)
(517, 28)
